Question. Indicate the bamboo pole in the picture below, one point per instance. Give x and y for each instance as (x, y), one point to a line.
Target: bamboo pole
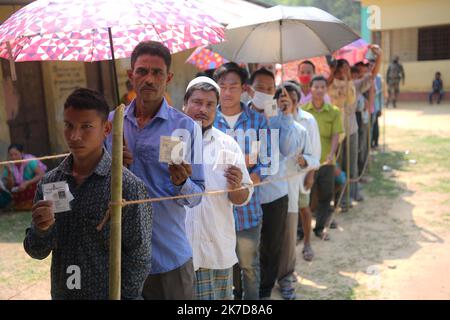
(347, 153)
(115, 245)
(369, 140)
(384, 130)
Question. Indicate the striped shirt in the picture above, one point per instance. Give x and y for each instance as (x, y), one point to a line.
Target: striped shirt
(250, 215)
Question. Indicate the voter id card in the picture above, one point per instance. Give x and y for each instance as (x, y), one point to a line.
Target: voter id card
(172, 150)
(59, 194)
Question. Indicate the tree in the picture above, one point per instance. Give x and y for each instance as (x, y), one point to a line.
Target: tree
(346, 10)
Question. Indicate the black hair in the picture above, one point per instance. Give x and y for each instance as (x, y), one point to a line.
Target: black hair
(207, 73)
(17, 146)
(203, 86)
(318, 78)
(87, 99)
(294, 82)
(261, 72)
(361, 64)
(129, 85)
(230, 67)
(340, 63)
(308, 62)
(152, 48)
(290, 87)
(354, 69)
(438, 73)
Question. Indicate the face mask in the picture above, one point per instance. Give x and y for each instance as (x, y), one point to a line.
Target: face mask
(305, 79)
(266, 102)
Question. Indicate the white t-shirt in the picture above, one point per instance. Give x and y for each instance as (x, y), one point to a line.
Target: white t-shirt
(231, 120)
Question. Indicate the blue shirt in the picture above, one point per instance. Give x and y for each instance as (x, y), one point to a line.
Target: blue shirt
(289, 145)
(250, 215)
(171, 248)
(379, 97)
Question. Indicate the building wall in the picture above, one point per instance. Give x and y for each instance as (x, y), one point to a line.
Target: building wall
(400, 22)
(405, 44)
(5, 12)
(59, 80)
(397, 14)
(183, 74)
(419, 74)
(4, 128)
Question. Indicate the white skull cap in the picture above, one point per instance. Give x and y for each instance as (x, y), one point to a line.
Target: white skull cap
(203, 79)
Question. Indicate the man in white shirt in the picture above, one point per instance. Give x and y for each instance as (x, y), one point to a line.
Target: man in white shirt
(308, 121)
(210, 226)
(296, 170)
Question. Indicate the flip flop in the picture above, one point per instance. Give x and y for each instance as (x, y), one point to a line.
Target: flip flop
(308, 253)
(322, 235)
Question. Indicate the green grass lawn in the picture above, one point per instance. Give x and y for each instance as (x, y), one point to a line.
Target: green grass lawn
(13, 226)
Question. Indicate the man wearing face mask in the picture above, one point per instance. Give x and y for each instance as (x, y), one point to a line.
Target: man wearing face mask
(288, 95)
(274, 196)
(305, 72)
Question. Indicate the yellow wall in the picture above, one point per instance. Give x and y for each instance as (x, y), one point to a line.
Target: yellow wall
(420, 74)
(59, 80)
(396, 14)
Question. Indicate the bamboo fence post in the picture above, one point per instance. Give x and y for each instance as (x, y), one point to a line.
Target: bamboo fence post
(115, 245)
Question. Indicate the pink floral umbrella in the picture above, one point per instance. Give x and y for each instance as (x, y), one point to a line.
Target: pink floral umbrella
(353, 52)
(79, 30)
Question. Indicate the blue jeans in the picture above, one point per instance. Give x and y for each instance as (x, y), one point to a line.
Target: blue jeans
(439, 93)
(247, 250)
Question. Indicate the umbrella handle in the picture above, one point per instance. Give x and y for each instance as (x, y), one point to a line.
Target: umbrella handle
(116, 83)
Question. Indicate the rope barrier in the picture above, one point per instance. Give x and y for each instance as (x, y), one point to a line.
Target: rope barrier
(56, 156)
(207, 193)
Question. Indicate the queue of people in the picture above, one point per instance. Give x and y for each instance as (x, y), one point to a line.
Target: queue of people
(274, 157)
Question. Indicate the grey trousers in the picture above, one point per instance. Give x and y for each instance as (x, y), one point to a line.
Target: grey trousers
(363, 142)
(177, 284)
(272, 235)
(353, 163)
(288, 254)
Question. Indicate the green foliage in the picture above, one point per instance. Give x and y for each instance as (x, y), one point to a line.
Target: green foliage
(346, 10)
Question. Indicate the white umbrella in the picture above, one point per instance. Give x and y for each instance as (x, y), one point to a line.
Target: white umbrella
(281, 34)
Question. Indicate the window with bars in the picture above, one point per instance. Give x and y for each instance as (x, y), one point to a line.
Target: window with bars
(434, 43)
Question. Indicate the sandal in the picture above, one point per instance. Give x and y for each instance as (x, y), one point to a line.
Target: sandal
(308, 253)
(333, 225)
(322, 235)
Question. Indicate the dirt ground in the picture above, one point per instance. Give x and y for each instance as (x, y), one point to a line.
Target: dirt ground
(394, 245)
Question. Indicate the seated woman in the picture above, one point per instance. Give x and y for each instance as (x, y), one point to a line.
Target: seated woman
(21, 179)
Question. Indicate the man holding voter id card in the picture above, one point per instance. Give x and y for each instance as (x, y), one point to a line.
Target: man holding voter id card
(70, 211)
(210, 225)
(160, 149)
